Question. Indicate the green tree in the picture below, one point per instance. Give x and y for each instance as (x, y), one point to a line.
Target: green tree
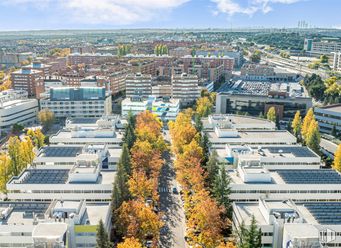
(102, 237)
(271, 114)
(46, 118)
(125, 159)
(205, 145)
(256, 56)
(296, 124)
(17, 128)
(324, 58)
(254, 235)
(212, 168)
(222, 190)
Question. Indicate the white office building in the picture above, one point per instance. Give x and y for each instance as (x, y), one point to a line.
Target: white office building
(15, 108)
(166, 109)
(329, 117)
(284, 223)
(58, 223)
(82, 102)
(90, 131)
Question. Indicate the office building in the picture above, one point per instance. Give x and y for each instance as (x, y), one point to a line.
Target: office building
(259, 72)
(166, 109)
(185, 87)
(337, 61)
(78, 102)
(324, 46)
(285, 223)
(16, 108)
(28, 80)
(138, 85)
(329, 117)
(254, 98)
(56, 223)
(90, 131)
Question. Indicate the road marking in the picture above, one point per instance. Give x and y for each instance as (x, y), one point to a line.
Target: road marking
(163, 189)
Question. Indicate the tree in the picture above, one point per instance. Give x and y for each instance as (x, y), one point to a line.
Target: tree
(17, 128)
(306, 122)
(221, 190)
(102, 237)
(125, 159)
(256, 56)
(5, 171)
(271, 114)
(27, 150)
(337, 159)
(212, 168)
(254, 236)
(130, 243)
(46, 118)
(296, 124)
(15, 155)
(204, 106)
(39, 138)
(324, 58)
(313, 137)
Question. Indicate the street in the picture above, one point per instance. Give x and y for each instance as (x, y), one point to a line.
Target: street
(173, 232)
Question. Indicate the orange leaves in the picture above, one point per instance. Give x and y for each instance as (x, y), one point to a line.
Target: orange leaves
(148, 126)
(140, 186)
(130, 243)
(137, 220)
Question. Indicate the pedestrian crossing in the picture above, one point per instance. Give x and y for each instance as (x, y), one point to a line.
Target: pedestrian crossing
(163, 189)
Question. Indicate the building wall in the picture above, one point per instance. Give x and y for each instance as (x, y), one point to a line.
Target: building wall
(185, 88)
(327, 119)
(138, 85)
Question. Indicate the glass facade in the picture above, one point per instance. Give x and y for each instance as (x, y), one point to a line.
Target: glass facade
(77, 94)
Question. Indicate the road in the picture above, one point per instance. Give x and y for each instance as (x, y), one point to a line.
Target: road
(172, 235)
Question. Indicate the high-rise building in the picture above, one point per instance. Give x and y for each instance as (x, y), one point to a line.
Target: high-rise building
(138, 85)
(185, 87)
(30, 80)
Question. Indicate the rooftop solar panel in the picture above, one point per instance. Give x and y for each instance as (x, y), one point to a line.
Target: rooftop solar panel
(310, 176)
(326, 213)
(65, 151)
(38, 176)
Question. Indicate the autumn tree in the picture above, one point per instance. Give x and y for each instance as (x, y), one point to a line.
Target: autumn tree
(46, 118)
(5, 171)
(271, 114)
(309, 117)
(204, 107)
(296, 124)
(337, 159)
(39, 138)
(102, 237)
(130, 243)
(16, 155)
(313, 137)
(27, 150)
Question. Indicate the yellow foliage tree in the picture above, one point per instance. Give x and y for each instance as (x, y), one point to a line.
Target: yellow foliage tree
(5, 171)
(296, 124)
(306, 122)
(204, 106)
(271, 114)
(130, 243)
(337, 159)
(313, 136)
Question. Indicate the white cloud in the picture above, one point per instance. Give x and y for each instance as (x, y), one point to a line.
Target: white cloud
(109, 12)
(232, 7)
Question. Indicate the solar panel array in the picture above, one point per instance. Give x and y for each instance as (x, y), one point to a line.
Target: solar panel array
(64, 151)
(326, 213)
(296, 151)
(310, 176)
(38, 176)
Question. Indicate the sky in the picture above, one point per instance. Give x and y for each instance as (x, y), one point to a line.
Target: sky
(115, 14)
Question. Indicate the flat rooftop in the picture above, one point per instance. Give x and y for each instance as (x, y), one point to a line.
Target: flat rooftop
(287, 151)
(334, 108)
(255, 137)
(60, 151)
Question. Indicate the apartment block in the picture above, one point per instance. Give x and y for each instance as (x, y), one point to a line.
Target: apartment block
(185, 87)
(329, 117)
(28, 80)
(138, 85)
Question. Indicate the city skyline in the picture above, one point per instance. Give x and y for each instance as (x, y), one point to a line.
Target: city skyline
(112, 14)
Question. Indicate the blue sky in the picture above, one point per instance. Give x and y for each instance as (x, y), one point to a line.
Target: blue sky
(87, 14)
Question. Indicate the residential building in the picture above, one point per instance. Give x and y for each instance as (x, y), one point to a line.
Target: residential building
(118, 81)
(138, 85)
(16, 108)
(254, 98)
(78, 102)
(185, 87)
(259, 72)
(44, 68)
(28, 80)
(166, 109)
(285, 223)
(329, 117)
